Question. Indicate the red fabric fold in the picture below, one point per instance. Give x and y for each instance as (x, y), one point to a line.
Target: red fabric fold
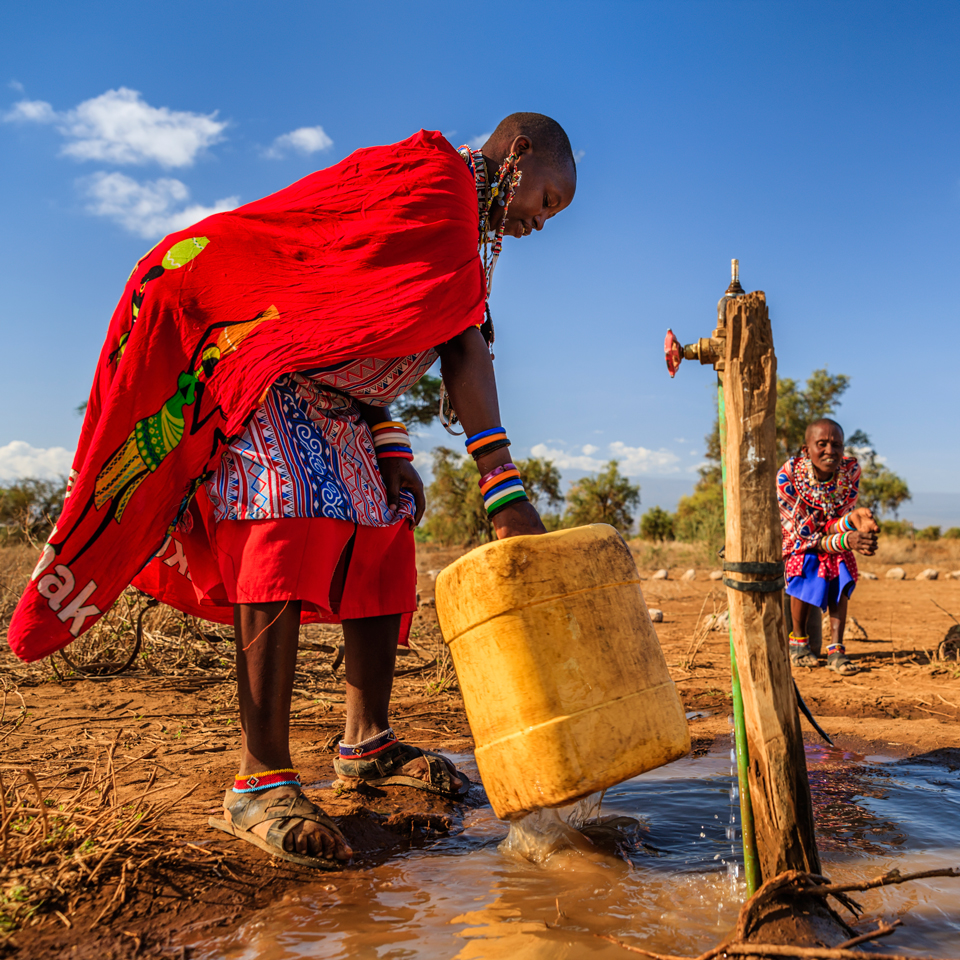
(373, 257)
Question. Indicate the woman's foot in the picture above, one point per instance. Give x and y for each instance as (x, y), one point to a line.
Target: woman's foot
(272, 816)
(385, 761)
(838, 661)
(800, 653)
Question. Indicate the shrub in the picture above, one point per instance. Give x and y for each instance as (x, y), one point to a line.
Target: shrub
(896, 528)
(953, 533)
(929, 533)
(656, 524)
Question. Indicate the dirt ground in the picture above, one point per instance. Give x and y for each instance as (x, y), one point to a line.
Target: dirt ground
(108, 782)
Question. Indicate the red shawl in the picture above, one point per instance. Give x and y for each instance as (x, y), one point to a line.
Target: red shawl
(374, 257)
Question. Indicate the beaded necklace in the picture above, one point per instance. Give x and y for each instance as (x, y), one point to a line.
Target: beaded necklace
(503, 190)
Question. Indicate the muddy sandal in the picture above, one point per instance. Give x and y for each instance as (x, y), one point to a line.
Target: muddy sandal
(839, 662)
(800, 653)
(248, 810)
(381, 765)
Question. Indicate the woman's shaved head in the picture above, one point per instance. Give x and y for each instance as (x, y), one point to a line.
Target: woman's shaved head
(547, 137)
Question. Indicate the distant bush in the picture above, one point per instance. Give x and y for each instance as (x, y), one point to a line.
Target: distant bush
(953, 533)
(929, 533)
(896, 528)
(656, 524)
(699, 517)
(29, 508)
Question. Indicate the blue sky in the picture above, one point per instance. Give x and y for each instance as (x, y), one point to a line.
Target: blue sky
(817, 142)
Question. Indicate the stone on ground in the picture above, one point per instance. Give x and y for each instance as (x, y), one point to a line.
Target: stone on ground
(896, 573)
(716, 574)
(929, 574)
(867, 575)
(660, 575)
(689, 575)
(656, 615)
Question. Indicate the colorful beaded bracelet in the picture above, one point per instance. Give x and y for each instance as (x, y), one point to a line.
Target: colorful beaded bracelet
(368, 747)
(266, 780)
(503, 489)
(486, 442)
(390, 439)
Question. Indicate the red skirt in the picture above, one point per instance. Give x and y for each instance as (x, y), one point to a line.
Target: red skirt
(337, 569)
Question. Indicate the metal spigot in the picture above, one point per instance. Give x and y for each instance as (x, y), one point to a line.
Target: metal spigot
(706, 349)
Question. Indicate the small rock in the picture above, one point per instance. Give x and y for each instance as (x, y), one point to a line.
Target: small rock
(955, 574)
(716, 574)
(656, 615)
(868, 576)
(689, 575)
(660, 575)
(432, 574)
(718, 621)
(429, 602)
(929, 574)
(896, 573)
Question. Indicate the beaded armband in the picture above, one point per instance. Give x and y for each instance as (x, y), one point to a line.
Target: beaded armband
(843, 525)
(501, 486)
(480, 444)
(390, 439)
(835, 542)
(266, 781)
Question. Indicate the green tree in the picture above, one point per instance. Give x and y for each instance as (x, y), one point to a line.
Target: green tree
(455, 511)
(882, 490)
(798, 407)
(606, 498)
(700, 516)
(29, 508)
(656, 524)
(419, 404)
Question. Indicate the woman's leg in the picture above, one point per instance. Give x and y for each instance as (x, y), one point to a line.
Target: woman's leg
(369, 658)
(267, 638)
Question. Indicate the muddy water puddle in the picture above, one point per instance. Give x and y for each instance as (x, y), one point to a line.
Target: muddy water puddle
(671, 885)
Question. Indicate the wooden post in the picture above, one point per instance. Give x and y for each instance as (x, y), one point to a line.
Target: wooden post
(779, 788)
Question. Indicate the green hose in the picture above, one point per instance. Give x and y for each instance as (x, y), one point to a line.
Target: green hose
(751, 863)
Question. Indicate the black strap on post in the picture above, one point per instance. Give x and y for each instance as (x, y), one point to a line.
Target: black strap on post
(754, 586)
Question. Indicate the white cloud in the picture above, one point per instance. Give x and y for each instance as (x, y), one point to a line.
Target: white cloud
(147, 209)
(120, 127)
(31, 111)
(16, 85)
(18, 460)
(634, 461)
(578, 155)
(477, 142)
(305, 140)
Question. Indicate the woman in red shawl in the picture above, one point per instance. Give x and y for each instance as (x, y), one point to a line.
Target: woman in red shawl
(238, 461)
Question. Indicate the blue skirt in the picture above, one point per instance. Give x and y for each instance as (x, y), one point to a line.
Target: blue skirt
(816, 590)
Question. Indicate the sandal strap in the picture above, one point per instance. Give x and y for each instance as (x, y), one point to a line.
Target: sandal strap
(248, 810)
(389, 762)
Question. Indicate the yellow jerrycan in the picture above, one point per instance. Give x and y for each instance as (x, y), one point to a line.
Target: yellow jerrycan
(563, 679)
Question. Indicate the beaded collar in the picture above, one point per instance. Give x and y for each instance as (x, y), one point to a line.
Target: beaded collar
(829, 494)
(487, 193)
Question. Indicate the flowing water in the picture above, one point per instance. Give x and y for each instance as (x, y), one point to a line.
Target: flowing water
(669, 883)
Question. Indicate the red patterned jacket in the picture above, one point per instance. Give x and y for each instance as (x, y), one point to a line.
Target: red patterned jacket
(808, 506)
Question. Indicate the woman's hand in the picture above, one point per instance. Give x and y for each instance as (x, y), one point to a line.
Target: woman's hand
(517, 519)
(863, 541)
(398, 474)
(864, 521)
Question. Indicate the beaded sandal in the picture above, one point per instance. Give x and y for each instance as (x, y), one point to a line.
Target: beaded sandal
(379, 762)
(838, 661)
(800, 653)
(249, 809)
